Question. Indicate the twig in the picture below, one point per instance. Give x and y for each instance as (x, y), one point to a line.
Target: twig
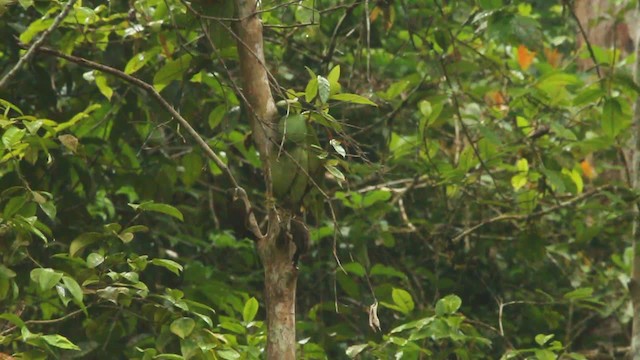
(44, 322)
(368, 35)
(332, 43)
(509, 217)
(254, 228)
(465, 131)
(586, 39)
(36, 44)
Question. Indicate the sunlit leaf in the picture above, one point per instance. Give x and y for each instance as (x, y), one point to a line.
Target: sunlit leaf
(170, 265)
(353, 98)
(250, 309)
(403, 300)
(183, 327)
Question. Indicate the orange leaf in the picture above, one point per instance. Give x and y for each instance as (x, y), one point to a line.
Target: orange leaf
(588, 170)
(374, 13)
(525, 57)
(554, 58)
(494, 98)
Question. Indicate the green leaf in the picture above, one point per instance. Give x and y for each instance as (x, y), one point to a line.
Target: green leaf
(72, 285)
(84, 240)
(522, 165)
(353, 98)
(403, 300)
(126, 237)
(542, 339)
(614, 119)
(335, 172)
(49, 208)
(448, 305)
(13, 206)
(59, 341)
(103, 86)
(383, 270)
(324, 89)
(182, 327)
(578, 294)
(574, 175)
(334, 77)
(12, 137)
(157, 207)
(171, 70)
(13, 318)
(170, 265)
(34, 29)
(6, 273)
(229, 354)
(94, 260)
(355, 268)
(168, 357)
(375, 196)
(193, 167)
(518, 181)
(355, 350)
(311, 90)
(46, 278)
(216, 115)
(250, 310)
(338, 147)
(544, 354)
(139, 60)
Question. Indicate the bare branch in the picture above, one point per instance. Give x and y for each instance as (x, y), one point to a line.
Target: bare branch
(253, 224)
(510, 217)
(36, 44)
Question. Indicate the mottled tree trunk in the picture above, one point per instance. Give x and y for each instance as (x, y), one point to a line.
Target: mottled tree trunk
(280, 274)
(602, 30)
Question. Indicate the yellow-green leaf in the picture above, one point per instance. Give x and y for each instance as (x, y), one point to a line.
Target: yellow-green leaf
(353, 98)
(250, 309)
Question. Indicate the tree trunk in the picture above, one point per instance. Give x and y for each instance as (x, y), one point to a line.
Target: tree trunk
(624, 36)
(633, 148)
(280, 278)
(276, 252)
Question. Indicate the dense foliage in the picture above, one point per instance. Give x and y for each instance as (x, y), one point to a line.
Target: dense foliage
(475, 189)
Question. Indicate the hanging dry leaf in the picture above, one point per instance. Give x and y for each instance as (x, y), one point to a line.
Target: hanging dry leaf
(69, 141)
(374, 322)
(554, 58)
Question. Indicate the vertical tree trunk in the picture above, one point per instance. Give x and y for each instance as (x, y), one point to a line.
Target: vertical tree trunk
(634, 149)
(280, 274)
(624, 36)
(280, 293)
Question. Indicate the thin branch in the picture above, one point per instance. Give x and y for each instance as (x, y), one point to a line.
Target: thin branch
(465, 131)
(511, 217)
(253, 224)
(44, 322)
(332, 43)
(584, 35)
(367, 15)
(36, 44)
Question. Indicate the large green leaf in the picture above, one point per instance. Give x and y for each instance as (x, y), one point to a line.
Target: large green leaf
(170, 71)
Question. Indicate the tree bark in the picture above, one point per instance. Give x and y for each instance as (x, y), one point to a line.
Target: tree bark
(624, 36)
(276, 252)
(633, 148)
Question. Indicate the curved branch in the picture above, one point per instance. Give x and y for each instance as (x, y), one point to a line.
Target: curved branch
(509, 217)
(254, 227)
(36, 44)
